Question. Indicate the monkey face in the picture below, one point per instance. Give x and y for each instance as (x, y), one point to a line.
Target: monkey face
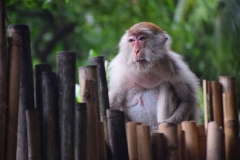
(142, 46)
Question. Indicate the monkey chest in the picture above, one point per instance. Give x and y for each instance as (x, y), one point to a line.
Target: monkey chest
(142, 107)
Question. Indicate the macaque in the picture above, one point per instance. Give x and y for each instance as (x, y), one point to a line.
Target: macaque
(150, 82)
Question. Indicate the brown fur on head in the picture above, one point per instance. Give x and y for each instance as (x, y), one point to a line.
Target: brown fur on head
(145, 26)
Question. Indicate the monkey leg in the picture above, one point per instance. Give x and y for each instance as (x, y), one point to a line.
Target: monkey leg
(167, 101)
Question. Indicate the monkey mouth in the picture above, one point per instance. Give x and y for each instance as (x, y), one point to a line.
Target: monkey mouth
(141, 60)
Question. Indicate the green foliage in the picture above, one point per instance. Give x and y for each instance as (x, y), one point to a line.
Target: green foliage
(206, 33)
(201, 106)
(228, 37)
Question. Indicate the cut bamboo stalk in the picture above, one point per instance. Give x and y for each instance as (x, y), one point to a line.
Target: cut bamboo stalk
(210, 101)
(191, 137)
(102, 90)
(15, 48)
(102, 85)
(90, 73)
(215, 142)
(181, 144)
(231, 140)
(50, 124)
(132, 140)
(158, 146)
(216, 102)
(80, 133)
(102, 145)
(117, 135)
(202, 141)
(230, 111)
(231, 128)
(228, 84)
(144, 142)
(3, 79)
(170, 133)
(26, 92)
(89, 95)
(33, 134)
(205, 104)
(38, 94)
(66, 76)
(38, 85)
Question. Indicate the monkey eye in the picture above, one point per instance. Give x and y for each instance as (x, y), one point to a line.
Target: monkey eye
(130, 40)
(142, 38)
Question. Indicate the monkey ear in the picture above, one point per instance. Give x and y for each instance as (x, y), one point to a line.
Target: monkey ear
(168, 40)
(165, 39)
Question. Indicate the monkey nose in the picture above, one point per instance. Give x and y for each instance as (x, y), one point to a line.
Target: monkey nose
(137, 51)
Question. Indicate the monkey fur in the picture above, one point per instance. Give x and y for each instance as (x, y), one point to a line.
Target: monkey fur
(150, 82)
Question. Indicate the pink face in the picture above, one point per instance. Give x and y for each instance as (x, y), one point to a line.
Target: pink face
(137, 42)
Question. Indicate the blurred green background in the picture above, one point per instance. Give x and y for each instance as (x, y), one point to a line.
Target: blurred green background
(206, 33)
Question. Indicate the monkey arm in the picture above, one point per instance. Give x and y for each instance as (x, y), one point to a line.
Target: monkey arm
(116, 98)
(176, 102)
(187, 103)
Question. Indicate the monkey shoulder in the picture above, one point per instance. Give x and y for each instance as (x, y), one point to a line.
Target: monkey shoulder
(183, 75)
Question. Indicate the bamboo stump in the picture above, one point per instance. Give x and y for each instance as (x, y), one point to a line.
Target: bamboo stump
(117, 135)
(26, 92)
(88, 85)
(215, 142)
(144, 142)
(80, 132)
(191, 137)
(169, 131)
(66, 76)
(50, 123)
(33, 134)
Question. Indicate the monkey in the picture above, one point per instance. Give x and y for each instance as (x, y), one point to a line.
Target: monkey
(150, 82)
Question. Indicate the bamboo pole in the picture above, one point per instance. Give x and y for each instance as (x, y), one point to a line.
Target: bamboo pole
(80, 132)
(33, 135)
(215, 142)
(210, 101)
(231, 129)
(102, 144)
(205, 104)
(66, 76)
(144, 142)
(15, 48)
(132, 140)
(102, 85)
(158, 146)
(231, 121)
(102, 90)
(216, 102)
(182, 153)
(3, 78)
(89, 95)
(202, 141)
(39, 68)
(90, 73)
(26, 92)
(50, 123)
(191, 137)
(117, 135)
(229, 107)
(170, 133)
(228, 84)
